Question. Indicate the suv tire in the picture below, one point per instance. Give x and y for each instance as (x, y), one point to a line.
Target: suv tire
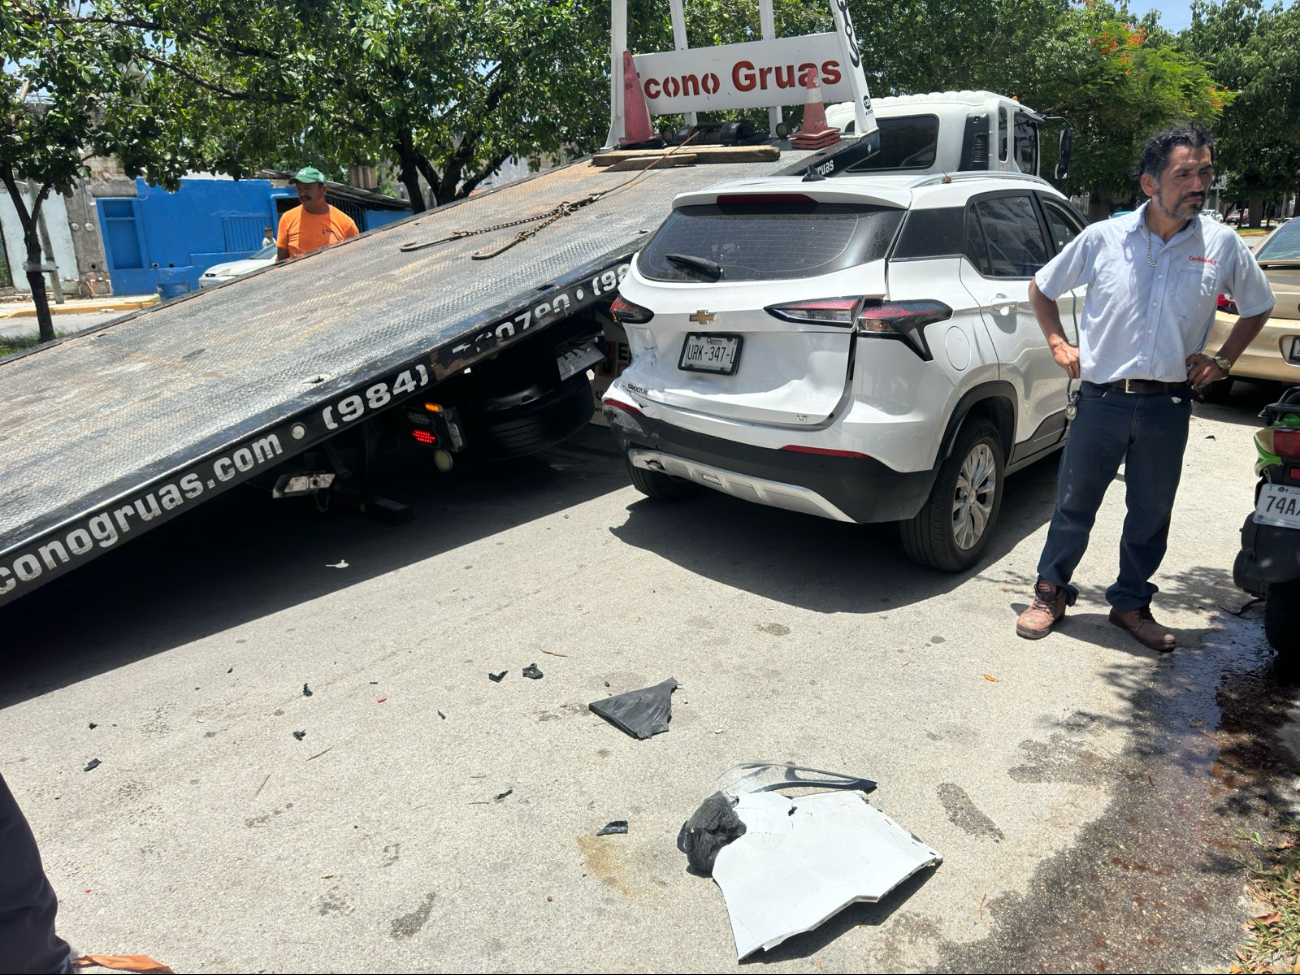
(660, 486)
(953, 528)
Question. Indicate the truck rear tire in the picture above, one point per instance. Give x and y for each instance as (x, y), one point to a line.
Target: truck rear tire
(534, 426)
(660, 486)
(952, 530)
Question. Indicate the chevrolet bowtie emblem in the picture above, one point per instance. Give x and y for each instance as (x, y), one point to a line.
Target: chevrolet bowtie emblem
(702, 316)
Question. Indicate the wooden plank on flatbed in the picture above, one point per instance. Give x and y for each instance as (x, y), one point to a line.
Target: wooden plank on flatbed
(702, 154)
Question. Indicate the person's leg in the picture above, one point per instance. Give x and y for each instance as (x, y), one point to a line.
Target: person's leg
(27, 902)
(1099, 438)
(1153, 470)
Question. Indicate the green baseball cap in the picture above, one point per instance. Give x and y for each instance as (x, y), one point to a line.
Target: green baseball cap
(308, 174)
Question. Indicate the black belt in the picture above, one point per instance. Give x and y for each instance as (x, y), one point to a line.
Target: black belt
(1143, 386)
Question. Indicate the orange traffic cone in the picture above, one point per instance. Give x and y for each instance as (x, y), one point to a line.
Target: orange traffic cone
(636, 115)
(815, 133)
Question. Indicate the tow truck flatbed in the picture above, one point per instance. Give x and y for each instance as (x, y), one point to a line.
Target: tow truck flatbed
(117, 430)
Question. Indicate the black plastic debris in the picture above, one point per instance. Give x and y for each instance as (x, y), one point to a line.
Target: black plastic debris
(532, 673)
(300, 735)
(500, 796)
(497, 678)
(94, 763)
(640, 713)
(613, 828)
(306, 691)
(443, 716)
(713, 826)
(231, 670)
(93, 725)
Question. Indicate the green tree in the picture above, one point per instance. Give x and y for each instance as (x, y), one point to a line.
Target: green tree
(1254, 50)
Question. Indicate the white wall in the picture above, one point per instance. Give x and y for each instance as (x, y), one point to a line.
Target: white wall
(56, 219)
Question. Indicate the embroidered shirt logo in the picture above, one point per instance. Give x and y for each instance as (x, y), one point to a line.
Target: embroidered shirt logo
(1204, 260)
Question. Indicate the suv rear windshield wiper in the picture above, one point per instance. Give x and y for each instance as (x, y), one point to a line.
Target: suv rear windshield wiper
(703, 264)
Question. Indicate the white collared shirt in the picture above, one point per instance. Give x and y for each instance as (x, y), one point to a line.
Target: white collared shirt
(1141, 321)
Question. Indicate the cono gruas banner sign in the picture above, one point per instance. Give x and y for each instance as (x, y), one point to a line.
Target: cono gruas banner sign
(755, 74)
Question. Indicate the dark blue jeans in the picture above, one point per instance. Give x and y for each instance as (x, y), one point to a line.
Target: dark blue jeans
(1146, 431)
(27, 902)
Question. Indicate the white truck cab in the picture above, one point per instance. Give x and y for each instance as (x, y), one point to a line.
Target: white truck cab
(948, 132)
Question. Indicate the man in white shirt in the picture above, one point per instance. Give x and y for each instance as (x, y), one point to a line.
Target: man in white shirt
(1152, 281)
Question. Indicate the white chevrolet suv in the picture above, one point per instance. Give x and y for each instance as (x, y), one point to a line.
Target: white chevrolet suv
(859, 348)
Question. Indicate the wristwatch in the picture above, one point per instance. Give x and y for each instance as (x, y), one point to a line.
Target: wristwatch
(1223, 362)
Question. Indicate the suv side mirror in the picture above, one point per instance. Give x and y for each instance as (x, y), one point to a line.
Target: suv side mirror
(1066, 146)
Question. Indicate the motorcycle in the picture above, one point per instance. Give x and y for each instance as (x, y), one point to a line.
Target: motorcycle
(1268, 565)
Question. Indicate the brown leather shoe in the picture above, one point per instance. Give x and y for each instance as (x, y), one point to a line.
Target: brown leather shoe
(1048, 607)
(1143, 626)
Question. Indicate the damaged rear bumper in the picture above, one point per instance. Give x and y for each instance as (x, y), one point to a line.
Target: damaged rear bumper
(852, 489)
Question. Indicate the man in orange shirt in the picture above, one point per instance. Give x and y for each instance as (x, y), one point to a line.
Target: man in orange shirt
(315, 224)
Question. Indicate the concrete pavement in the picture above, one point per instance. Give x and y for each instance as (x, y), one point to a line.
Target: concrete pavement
(1088, 795)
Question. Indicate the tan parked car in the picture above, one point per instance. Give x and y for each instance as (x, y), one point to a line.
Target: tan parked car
(1275, 353)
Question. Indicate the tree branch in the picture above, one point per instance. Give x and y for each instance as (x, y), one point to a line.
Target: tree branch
(468, 187)
(19, 201)
(226, 93)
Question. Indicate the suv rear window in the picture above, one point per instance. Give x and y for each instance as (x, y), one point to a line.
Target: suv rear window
(769, 241)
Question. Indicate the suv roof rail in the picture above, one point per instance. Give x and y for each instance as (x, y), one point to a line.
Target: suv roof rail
(932, 179)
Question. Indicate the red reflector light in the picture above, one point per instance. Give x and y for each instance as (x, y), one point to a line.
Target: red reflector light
(1286, 443)
(824, 451)
(1226, 304)
(626, 313)
(424, 437)
(620, 405)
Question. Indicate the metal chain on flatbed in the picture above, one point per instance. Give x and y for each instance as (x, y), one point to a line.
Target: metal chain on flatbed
(546, 219)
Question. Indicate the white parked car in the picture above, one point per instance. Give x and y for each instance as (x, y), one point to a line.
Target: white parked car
(859, 348)
(221, 273)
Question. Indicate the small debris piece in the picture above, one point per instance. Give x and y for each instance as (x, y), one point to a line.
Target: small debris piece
(300, 735)
(265, 779)
(374, 682)
(1210, 437)
(94, 763)
(306, 691)
(554, 654)
(500, 796)
(231, 670)
(1242, 608)
(443, 716)
(318, 755)
(381, 700)
(710, 828)
(640, 713)
(497, 678)
(612, 828)
(989, 677)
(532, 673)
(340, 564)
(93, 725)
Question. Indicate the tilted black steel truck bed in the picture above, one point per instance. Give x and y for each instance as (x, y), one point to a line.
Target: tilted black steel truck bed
(112, 432)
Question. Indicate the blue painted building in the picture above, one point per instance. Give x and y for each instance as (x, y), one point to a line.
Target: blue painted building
(207, 222)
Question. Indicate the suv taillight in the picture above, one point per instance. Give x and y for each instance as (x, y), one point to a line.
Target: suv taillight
(823, 311)
(626, 313)
(870, 316)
